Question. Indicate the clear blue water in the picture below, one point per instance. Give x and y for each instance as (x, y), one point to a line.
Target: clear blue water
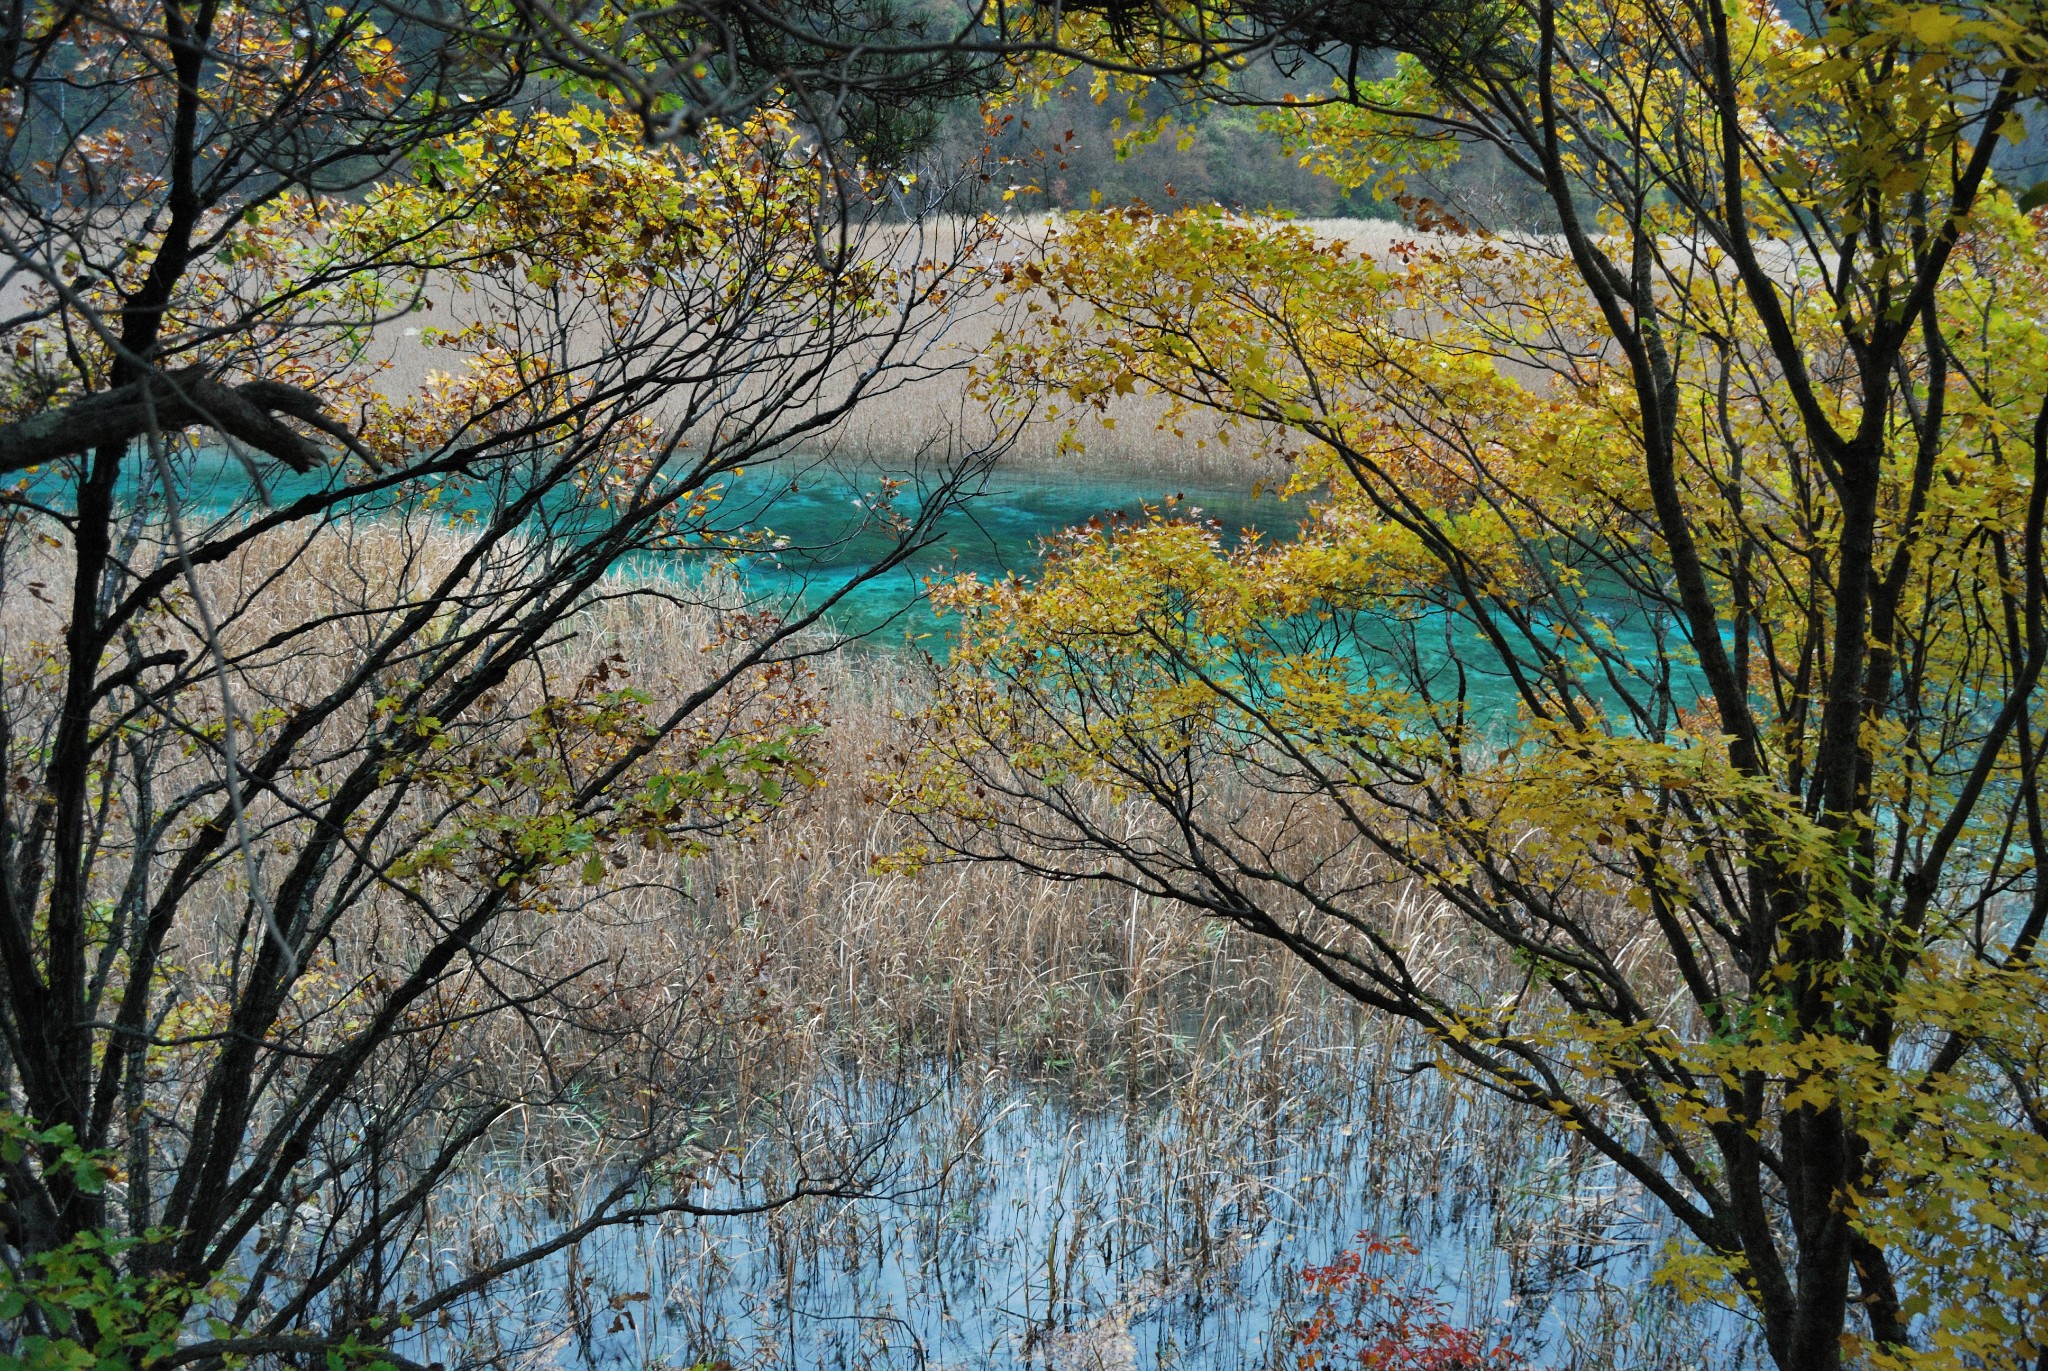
(826, 514)
(1015, 1229)
(819, 529)
(822, 511)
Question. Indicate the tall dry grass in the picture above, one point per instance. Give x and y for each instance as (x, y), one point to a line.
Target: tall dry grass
(1132, 434)
(1250, 1099)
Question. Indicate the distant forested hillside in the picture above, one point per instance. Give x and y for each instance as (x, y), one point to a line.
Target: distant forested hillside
(1062, 155)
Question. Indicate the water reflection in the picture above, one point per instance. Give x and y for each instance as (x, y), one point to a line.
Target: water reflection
(1026, 1228)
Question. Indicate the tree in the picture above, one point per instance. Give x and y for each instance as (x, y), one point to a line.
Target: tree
(1670, 606)
(319, 742)
(874, 72)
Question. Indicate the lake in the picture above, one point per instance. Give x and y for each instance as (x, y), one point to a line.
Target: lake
(822, 512)
(1019, 1227)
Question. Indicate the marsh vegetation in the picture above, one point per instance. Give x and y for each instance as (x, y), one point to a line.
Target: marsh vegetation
(646, 722)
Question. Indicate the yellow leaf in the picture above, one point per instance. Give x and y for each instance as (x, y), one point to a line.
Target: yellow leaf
(1932, 25)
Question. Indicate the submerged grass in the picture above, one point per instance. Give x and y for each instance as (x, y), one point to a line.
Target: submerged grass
(1132, 1127)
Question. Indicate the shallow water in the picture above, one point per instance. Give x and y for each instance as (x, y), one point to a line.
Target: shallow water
(1021, 1229)
(825, 511)
(822, 510)
(820, 526)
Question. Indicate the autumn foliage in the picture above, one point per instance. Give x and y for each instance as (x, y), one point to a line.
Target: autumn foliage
(341, 378)
(1366, 1318)
(1668, 603)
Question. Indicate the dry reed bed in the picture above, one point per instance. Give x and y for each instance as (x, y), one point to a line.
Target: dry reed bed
(760, 976)
(1130, 433)
(1083, 982)
(926, 402)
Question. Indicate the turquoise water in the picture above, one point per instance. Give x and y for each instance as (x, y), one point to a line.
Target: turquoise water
(823, 513)
(1000, 529)
(820, 529)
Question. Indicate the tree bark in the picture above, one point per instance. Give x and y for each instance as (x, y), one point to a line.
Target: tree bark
(169, 402)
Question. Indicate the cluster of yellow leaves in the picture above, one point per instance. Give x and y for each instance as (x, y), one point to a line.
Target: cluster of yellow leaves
(1377, 137)
(578, 196)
